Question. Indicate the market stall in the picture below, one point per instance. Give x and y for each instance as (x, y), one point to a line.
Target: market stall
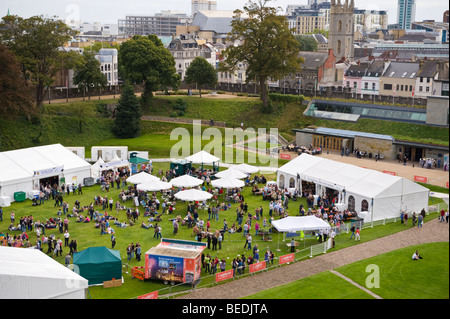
(174, 261)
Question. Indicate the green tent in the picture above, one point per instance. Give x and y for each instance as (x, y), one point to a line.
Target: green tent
(98, 264)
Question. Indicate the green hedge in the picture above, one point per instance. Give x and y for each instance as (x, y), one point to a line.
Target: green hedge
(287, 98)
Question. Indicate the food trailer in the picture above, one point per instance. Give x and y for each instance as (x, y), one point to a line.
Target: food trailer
(174, 261)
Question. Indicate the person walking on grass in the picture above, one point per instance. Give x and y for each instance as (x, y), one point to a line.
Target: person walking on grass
(357, 235)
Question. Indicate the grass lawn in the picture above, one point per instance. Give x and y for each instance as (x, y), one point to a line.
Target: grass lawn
(399, 278)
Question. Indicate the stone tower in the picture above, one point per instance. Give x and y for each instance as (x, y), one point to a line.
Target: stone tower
(341, 30)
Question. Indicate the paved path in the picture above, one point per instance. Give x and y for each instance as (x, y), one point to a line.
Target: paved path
(432, 231)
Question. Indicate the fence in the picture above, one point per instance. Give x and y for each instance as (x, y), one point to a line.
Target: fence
(167, 293)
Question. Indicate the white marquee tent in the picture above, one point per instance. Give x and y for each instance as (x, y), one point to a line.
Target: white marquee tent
(153, 186)
(292, 224)
(227, 182)
(385, 196)
(193, 195)
(246, 168)
(202, 157)
(22, 169)
(231, 173)
(142, 177)
(46, 279)
(185, 181)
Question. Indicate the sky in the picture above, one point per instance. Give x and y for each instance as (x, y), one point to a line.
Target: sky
(109, 11)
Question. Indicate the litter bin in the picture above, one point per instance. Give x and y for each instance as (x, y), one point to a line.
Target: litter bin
(20, 196)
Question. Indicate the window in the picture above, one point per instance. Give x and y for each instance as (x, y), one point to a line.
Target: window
(351, 203)
(366, 85)
(401, 87)
(387, 86)
(291, 182)
(364, 206)
(373, 86)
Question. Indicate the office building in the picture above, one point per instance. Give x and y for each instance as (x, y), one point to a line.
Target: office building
(406, 12)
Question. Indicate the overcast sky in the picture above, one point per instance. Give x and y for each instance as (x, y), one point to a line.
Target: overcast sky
(109, 11)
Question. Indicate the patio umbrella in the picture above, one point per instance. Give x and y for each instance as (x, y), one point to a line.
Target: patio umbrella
(227, 182)
(142, 177)
(153, 186)
(231, 173)
(193, 195)
(185, 181)
(245, 168)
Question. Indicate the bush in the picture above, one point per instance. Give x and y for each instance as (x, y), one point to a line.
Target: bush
(286, 98)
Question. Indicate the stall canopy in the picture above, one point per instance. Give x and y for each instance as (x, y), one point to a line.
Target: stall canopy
(96, 168)
(227, 182)
(31, 274)
(231, 173)
(142, 177)
(115, 162)
(193, 195)
(366, 191)
(202, 157)
(98, 264)
(22, 169)
(246, 168)
(153, 186)
(292, 224)
(185, 181)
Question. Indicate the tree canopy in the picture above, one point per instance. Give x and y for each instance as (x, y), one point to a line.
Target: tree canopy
(267, 46)
(307, 43)
(145, 60)
(36, 43)
(200, 72)
(127, 114)
(16, 95)
(87, 73)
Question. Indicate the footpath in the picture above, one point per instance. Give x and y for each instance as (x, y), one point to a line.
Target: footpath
(432, 231)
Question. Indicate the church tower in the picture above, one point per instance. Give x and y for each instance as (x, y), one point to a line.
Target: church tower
(341, 29)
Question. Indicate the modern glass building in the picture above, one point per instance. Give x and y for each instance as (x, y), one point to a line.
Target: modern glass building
(406, 12)
(344, 111)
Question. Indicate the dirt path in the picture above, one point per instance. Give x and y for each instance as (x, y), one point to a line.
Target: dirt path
(432, 231)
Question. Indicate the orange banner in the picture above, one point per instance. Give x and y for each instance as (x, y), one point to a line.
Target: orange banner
(257, 267)
(421, 179)
(286, 259)
(151, 295)
(224, 275)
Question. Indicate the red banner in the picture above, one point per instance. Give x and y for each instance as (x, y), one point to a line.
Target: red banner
(257, 267)
(285, 156)
(446, 185)
(421, 179)
(151, 295)
(390, 173)
(224, 275)
(286, 259)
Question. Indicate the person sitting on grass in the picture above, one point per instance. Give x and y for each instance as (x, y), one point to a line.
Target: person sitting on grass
(416, 256)
(143, 225)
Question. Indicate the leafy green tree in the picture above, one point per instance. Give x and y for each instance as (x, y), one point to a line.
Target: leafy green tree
(87, 74)
(36, 43)
(127, 122)
(307, 43)
(200, 72)
(145, 60)
(17, 97)
(268, 48)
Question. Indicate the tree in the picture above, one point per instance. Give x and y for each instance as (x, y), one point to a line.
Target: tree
(268, 48)
(16, 95)
(306, 43)
(36, 43)
(201, 72)
(87, 73)
(127, 120)
(81, 112)
(145, 60)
